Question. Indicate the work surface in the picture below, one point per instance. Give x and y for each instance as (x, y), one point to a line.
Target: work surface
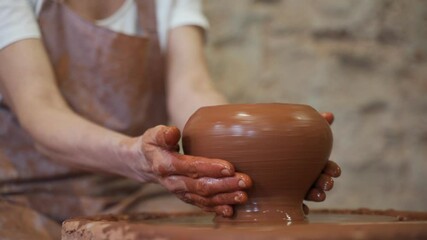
(321, 224)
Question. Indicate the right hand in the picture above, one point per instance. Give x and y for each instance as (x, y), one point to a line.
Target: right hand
(211, 184)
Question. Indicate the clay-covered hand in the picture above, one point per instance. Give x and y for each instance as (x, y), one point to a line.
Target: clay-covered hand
(211, 184)
(325, 181)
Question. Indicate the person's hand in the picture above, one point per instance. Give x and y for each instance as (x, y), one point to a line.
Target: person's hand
(325, 181)
(211, 184)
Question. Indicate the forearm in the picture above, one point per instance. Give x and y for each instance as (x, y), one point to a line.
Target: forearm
(64, 136)
(28, 84)
(189, 84)
(196, 93)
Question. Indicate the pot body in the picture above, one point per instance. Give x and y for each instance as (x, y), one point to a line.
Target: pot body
(282, 147)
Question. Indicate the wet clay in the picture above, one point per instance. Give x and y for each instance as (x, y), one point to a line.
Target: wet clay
(321, 224)
(17, 222)
(282, 147)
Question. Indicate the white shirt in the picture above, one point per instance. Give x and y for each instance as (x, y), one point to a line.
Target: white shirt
(18, 18)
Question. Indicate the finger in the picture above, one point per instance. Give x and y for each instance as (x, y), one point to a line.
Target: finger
(315, 195)
(224, 210)
(328, 116)
(198, 167)
(217, 200)
(332, 169)
(324, 182)
(162, 136)
(207, 186)
(305, 209)
(212, 186)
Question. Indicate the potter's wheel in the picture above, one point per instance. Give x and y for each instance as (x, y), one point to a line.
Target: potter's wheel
(321, 224)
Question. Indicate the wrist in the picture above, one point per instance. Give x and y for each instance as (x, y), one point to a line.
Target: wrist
(131, 155)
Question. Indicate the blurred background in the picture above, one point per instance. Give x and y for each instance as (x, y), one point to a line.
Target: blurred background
(363, 60)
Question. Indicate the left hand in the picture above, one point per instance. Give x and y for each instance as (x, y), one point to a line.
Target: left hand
(325, 181)
(211, 184)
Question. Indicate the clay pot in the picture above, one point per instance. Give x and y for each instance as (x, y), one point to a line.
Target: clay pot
(282, 147)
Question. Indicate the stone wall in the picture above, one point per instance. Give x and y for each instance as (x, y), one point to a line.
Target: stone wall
(364, 60)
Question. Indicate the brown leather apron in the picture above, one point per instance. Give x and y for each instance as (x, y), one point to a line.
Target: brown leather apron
(112, 79)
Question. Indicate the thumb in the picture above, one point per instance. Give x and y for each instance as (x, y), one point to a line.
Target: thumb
(328, 116)
(165, 136)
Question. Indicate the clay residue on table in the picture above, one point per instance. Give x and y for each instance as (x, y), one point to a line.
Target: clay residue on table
(19, 222)
(400, 215)
(404, 225)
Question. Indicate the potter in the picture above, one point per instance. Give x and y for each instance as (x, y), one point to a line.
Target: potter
(282, 147)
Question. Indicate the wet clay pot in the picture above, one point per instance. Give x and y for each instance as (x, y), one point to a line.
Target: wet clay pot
(282, 147)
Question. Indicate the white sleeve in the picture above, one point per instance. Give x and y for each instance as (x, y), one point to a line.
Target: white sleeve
(17, 22)
(187, 12)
